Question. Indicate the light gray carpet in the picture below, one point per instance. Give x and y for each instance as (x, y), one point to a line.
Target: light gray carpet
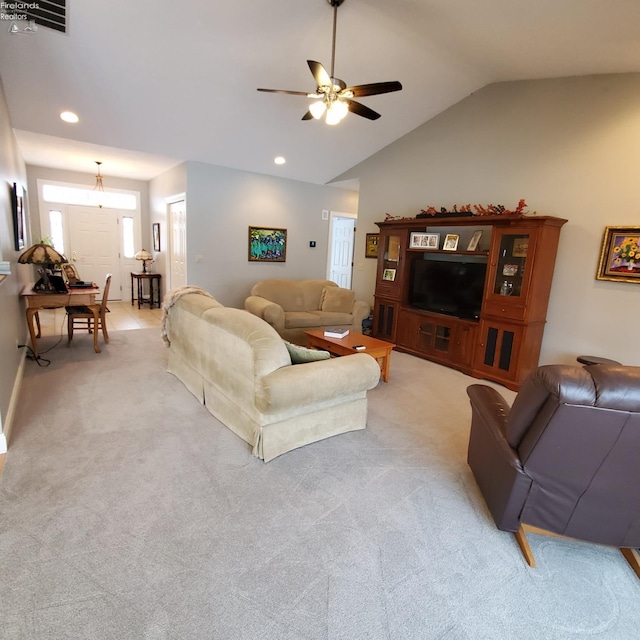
(128, 512)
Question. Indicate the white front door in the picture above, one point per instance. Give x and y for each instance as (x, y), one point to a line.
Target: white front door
(178, 244)
(341, 251)
(94, 246)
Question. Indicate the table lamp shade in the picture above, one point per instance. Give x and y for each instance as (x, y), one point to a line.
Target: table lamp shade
(145, 256)
(48, 257)
(42, 254)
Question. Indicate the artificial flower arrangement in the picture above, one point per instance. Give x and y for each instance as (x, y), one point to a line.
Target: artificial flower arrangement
(476, 210)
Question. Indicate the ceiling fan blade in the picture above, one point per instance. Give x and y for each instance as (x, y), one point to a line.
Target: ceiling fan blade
(361, 110)
(374, 89)
(291, 93)
(307, 116)
(322, 78)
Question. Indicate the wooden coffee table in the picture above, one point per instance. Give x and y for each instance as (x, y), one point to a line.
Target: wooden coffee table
(378, 349)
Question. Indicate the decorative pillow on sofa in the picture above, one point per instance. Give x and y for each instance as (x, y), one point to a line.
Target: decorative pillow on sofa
(300, 355)
(337, 300)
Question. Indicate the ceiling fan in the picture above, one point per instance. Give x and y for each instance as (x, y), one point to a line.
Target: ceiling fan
(333, 97)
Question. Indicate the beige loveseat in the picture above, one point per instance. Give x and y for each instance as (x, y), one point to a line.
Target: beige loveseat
(240, 368)
(292, 307)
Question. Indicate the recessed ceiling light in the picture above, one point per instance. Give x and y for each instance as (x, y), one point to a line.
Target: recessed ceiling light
(279, 160)
(69, 116)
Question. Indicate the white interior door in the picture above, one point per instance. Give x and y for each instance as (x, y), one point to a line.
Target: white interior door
(341, 249)
(178, 244)
(94, 245)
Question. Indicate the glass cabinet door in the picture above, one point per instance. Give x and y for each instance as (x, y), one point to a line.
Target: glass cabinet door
(512, 265)
(390, 257)
(390, 261)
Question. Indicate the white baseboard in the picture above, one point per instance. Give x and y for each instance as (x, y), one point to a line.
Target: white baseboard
(5, 436)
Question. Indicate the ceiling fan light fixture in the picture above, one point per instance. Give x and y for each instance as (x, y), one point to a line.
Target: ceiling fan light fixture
(333, 97)
(336, 111)
(341, 108)
(333, 116)
(317, 109)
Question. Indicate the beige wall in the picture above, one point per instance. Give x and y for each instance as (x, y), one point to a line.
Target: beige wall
(221, 205)
(13, 327)
(571, 148)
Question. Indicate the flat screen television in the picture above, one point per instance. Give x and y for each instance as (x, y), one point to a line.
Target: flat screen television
(452, 287)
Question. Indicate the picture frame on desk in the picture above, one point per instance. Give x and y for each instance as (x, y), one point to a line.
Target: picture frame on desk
(70, 272)
(17, 208)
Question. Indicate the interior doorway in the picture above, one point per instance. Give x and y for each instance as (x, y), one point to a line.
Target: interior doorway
(177, 215)
(342, 229)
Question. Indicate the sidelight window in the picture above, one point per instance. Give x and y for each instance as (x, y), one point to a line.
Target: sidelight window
(55, 229)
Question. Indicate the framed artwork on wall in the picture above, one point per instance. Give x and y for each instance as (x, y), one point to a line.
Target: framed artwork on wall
(371, 248)
(619, 256)
(267, 244)
(17, 206)
(156, 236)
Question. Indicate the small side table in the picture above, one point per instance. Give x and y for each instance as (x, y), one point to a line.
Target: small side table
(154, 291)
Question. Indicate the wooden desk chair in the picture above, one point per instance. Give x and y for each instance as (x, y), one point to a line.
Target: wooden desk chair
(81, 317)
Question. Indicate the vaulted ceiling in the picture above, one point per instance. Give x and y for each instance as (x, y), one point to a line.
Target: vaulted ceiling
(157, 82)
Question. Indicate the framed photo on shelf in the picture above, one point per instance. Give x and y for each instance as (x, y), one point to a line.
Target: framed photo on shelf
(419, 240)
(450, 242)
(389, 274)
(509, 269)
(17, 206)
(156, 236)
(619, 257)
(267, 244)
(520, 247)
(371, 247)
(475, 239)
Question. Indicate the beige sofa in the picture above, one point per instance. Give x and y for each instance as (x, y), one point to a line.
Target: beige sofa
(292, 307)
(240, 368)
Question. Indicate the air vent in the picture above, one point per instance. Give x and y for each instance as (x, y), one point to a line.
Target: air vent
(50, 13)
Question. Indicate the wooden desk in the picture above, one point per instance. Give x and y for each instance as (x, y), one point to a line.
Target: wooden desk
(378, 349)
(154, 293)
(37, 301)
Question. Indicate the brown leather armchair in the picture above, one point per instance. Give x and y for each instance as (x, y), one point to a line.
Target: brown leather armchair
(565, 458)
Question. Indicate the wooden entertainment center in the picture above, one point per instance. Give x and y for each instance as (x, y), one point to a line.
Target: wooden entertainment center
(480, 303)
